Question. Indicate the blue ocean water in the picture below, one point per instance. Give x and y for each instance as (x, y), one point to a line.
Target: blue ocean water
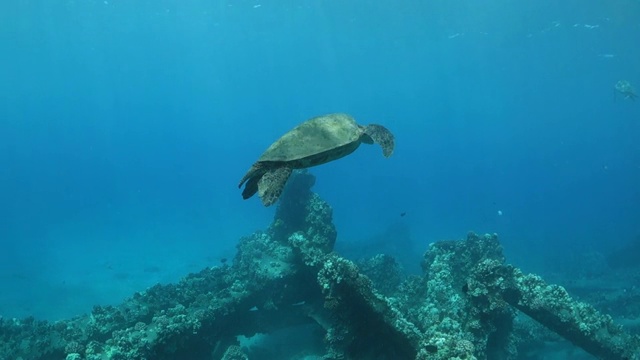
(125, 127)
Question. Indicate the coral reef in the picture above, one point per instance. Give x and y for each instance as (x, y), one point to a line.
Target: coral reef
(463, 306)
(384, 271)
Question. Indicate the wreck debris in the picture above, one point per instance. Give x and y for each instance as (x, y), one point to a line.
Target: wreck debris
(463, 306)
(552, 307)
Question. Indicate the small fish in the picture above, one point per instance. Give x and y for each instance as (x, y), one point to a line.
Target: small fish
(223, 260)
(402, 214)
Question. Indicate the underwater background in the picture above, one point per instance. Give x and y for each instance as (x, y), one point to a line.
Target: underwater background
(126, 126)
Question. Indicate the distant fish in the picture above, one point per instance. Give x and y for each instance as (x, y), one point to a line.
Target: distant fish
(402, 214)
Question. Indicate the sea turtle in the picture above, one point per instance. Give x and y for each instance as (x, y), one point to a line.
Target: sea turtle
(625, 88)
(314, 142)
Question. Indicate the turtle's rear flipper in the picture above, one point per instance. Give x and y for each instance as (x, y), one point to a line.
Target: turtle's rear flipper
(382, 136)
(251, 178)
(272, 183)
(251, 188)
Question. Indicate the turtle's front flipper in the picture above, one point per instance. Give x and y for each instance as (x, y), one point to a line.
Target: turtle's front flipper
(382, 136)
(272, 183)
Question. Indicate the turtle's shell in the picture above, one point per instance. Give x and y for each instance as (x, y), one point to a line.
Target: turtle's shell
(315, 136)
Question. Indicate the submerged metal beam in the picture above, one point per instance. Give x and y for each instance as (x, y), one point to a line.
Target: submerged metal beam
(553, 307)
